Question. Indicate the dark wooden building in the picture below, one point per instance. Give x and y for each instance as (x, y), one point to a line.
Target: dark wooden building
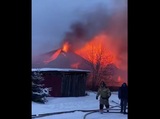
(64, 82)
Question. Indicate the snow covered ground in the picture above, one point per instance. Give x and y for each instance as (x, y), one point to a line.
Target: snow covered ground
(59, 104)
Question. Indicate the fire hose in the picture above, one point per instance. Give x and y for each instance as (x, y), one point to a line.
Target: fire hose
(55, 113)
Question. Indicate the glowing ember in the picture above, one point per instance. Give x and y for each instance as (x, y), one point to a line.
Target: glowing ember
(65, 47)
(53, 57)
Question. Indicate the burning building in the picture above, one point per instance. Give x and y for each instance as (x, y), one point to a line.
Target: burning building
(94, 42)
(60, 58)
(92, 56)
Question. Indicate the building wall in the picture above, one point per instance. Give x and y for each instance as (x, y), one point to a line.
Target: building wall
(65, 84)
(74, 84)
(53, 80)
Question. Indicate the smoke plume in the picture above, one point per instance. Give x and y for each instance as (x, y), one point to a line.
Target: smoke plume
(101, 20)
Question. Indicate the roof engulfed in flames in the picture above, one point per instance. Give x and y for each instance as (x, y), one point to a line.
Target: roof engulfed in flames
(65, 48)
(98, 48)
(53, 57)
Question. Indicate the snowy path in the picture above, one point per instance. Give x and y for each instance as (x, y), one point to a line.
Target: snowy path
(57, 104)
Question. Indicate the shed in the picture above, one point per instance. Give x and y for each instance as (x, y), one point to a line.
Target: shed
(64, 82)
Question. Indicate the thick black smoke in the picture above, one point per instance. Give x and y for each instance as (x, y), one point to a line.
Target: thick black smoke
(83, 31)
(112, 22)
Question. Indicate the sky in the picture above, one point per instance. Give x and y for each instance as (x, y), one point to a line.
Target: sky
(59, 104)
(52, 19)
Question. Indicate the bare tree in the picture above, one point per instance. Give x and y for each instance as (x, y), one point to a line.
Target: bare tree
(98, 60)
(111, 74)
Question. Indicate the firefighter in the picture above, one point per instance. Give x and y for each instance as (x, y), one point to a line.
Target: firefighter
(104, 93)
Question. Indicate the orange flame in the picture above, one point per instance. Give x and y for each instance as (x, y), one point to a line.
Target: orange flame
(65, 47)
(104, 48)
(96, 50)
(53, 57)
